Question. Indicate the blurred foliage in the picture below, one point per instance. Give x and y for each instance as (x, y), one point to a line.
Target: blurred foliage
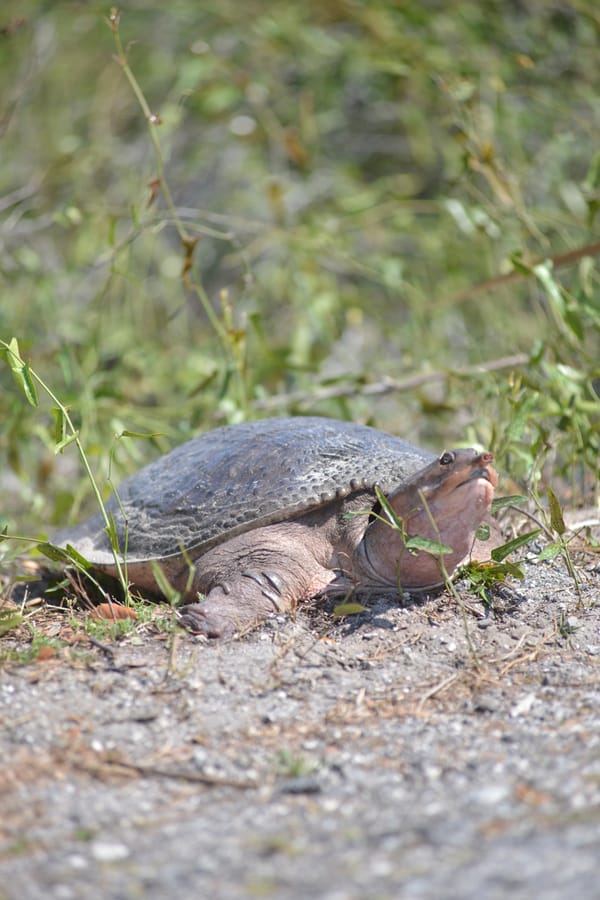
(351, 170)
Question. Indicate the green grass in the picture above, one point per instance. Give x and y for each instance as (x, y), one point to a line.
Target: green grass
(283, 208)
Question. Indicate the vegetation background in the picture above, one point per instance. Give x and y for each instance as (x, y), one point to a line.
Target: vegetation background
(225, 210)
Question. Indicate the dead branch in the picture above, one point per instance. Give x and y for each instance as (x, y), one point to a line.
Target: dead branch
(559, 260)
(388, 385)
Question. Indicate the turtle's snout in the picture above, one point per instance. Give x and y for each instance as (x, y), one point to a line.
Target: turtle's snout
(484, 469)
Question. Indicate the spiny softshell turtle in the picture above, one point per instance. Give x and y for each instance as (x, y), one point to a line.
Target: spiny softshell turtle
(277, 511)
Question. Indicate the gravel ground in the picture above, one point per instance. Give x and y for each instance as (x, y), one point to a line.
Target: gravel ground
(372, 758)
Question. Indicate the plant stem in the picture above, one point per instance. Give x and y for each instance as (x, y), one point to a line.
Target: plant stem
(187, 240)
(76, 440)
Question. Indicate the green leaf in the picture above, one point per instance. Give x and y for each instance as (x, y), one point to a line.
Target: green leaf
(556, 516)
(543, 272)
(141, 434)
(512, 500)
(513, 569)
(60, 426)
(486, 574)
(66, 554)
(58, 554)
(521, 417)
(394, 520)
(111, 531)
(435, 548)
(348, 609)
(519, 265)
(22, 372)
(550, 551)
(500, 553)
(483, 532)
(9, 619)
(29, 386)
(575, 323)
(14, 356)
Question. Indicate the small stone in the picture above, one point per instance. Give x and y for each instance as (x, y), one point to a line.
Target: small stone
(200, 757)
(523, 706)
(302, 785)
(486, 703)
(491, 794)
(109, 851)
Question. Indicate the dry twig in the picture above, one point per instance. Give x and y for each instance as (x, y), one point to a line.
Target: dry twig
(387, 385)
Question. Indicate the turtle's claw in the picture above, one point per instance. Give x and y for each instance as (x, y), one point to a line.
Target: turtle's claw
(198, 620)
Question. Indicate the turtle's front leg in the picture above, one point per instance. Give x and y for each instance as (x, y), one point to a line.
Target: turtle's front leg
(252, 577)
(237, 605)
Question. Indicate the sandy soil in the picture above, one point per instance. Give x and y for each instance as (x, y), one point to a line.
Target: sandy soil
(374, 757)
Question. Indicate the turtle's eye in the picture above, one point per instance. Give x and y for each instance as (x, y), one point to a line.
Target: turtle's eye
(447, 458)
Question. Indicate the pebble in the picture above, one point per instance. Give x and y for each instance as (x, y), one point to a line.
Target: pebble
(523, 706)
(301, 785)
(491, 794)
(109, 851)
(487, 703)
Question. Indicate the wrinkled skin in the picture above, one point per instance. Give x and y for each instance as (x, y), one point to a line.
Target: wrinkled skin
(271, 569)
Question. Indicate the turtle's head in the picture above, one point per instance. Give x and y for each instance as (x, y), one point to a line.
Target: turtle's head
(444, 502)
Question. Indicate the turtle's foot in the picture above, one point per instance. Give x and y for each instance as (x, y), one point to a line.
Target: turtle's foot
(201, 620)
(237, 605)
(234, 606)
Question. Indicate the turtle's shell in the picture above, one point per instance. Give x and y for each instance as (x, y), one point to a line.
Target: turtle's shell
(239, 477)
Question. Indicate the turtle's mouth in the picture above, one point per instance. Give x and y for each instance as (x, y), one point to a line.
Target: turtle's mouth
(483, 469)
(486, 474)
